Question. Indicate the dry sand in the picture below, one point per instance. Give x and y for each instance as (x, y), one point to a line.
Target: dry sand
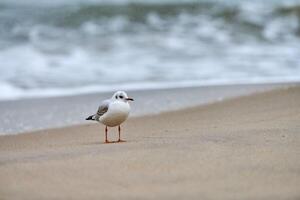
(245, 148)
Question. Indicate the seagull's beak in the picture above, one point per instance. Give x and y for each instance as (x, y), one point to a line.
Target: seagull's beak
(129, 99)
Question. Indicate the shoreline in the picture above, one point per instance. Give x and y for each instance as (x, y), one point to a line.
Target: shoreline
(54, 112)
(241, 148)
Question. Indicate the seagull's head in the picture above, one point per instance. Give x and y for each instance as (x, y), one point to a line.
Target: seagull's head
(121, 96)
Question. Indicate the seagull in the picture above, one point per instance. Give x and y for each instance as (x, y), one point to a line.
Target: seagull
(113, 112)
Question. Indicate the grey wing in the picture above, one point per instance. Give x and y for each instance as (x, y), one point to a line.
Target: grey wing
(103, 108)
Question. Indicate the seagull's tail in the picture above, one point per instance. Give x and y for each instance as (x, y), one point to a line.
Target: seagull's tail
(92, 117)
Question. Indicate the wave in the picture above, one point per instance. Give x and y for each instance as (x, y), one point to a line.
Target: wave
(248, 18)
(69, 47)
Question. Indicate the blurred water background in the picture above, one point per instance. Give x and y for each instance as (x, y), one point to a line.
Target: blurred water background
(62, 47)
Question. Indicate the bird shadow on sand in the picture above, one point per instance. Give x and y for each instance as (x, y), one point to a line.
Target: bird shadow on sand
(105, 143)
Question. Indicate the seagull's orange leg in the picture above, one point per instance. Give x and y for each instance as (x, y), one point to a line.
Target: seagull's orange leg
(106, 141)
(119, 129)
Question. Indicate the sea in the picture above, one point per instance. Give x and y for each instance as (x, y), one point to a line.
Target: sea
(69, 47)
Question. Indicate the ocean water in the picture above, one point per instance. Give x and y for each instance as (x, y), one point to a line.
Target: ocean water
(62, 47)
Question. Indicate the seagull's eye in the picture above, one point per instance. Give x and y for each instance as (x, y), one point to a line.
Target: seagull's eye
(121, 97)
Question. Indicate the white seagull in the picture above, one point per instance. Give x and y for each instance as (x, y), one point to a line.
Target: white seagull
(113, 112)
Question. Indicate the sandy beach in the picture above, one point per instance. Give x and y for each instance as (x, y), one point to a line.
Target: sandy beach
(243, 148)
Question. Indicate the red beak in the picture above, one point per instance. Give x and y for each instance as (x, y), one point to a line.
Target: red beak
(129, 99)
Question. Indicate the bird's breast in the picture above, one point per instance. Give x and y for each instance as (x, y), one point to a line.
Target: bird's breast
(117, 113)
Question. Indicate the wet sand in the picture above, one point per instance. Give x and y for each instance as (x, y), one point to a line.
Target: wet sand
(243, 148)
(53, 112)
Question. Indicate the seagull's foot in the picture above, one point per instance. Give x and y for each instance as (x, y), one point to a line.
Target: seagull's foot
(110, 142)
